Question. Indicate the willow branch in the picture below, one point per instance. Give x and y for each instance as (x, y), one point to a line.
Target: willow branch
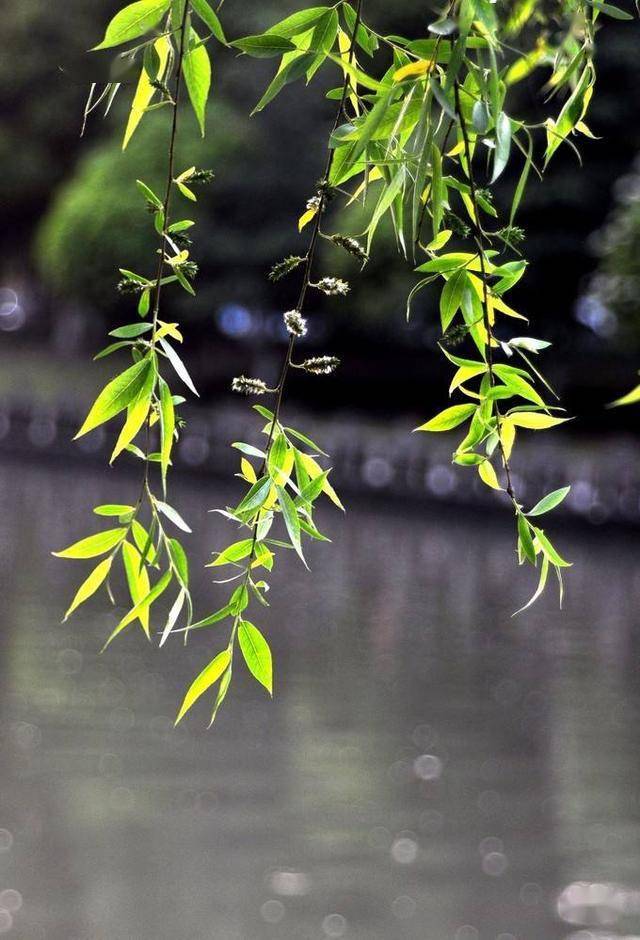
(479, 238)
(166, 205)
(306, 281)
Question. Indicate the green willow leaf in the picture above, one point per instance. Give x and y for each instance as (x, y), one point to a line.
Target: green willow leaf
(256, 497)
(113, 509)
(257, 654)
(451, 297)
(311, 490)
(295, 68)
(550, 551)
(325, 32)
(544, 570)
(177, 364)
(209, 18)
(517, 385)
(550, 501)
(90, 586)
(438, 190)
(144, 541)
(298, 23)
(233, 553)
(172, 515)
(291, 521)
(133, 21)
(280, 460)
(168, 425)
(131, 330)
(469, 459)
(265, 46)
(222, 614)
(159, 587)
(305, 440)
(448, 419)
(137, 415)
(137, 580)
(115, 397)
(534, 421)
(629, 399)
(93, 545)
(113, 347)
(174, 613)
(202, 683)
(196, 68)
(503, 145)
(365, 39)
(526, 541)
(223, 688)
(180, 561)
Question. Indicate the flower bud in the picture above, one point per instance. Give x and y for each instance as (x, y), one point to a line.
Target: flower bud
(246, 386)
(295, 324)
(332, 286)
(320, 365)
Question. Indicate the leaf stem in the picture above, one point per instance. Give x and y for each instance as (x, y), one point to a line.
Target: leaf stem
(486, 317)
(165, 224)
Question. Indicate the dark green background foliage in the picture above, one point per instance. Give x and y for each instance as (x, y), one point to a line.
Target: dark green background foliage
(264, 170)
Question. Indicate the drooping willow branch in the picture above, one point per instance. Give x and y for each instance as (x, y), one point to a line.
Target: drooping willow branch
(490, 340)
(459, 77)
(175, 56)
(403, 143)
(289, 479)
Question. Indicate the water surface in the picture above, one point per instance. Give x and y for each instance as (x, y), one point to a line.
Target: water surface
(430, 769)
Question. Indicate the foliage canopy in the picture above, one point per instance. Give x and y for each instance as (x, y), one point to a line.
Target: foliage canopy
(424, 127)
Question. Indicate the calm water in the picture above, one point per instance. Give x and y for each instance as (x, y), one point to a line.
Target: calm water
(430, 769)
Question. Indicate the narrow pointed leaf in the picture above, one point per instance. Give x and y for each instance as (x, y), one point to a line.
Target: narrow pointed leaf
(257, 654)
(133, 21)
(93, 545)
(115, 396)
(90, 585)
(202, 683)
(549, 502)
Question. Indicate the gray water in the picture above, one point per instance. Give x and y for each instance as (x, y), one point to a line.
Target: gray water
(429, 769)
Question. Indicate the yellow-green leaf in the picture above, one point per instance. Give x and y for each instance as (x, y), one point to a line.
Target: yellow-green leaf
(155, 592)
(534, 421)
(137, 579)
(306, 217)
(90, 586)
(136, 417)
(257, 654)
(133, 21)
(196, 68)
(507, 435)
(202, 683)
(115, 396)
(630, 398)
(248, 471)
(448, 419)
(414, 69)
(550, 551)
(549, 502)
(488, 475)
(168, 419)
(314, 470)
(93, 545)
(145, 90)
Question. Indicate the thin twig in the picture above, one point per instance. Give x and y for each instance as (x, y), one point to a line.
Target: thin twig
(306, 282)
(486, 317)
(165, 211)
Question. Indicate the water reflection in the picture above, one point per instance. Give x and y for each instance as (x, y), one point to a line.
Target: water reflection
(429, 768)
